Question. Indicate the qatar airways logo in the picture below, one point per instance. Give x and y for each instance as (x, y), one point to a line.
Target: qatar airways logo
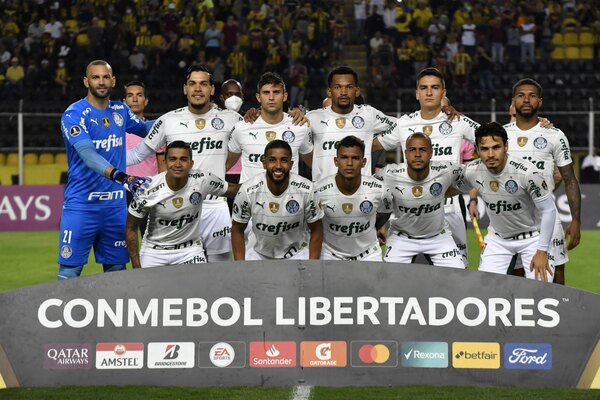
(109, 143)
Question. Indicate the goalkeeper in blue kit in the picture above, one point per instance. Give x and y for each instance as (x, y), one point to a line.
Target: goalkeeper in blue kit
(95, 210)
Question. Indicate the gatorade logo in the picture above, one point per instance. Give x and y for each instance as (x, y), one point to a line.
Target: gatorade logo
(323, 354)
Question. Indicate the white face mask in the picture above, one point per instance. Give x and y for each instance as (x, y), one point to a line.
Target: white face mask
(233, 103)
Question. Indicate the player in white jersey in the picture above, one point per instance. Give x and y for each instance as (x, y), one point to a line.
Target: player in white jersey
(343, 118)
(418, 188)
(282, 207)
(547, 148)
(248, 140)
(355, 206)
(446, 137)
(519, 205)
(206, 128)
(173, 204)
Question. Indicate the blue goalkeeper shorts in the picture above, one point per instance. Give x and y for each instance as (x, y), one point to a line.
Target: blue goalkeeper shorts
(102, 228)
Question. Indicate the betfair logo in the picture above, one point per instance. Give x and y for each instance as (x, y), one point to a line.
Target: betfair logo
(476, 355)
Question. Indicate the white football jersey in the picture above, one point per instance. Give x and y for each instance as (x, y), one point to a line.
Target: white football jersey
(419, 205)
(544, 147)
(329, 127)
(510, 196)
(174, 216)
(349, 221)
(207, 134)
(251, 139)
(280, 223)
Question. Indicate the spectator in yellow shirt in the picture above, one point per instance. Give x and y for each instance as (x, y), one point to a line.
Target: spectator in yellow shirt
(15, 74)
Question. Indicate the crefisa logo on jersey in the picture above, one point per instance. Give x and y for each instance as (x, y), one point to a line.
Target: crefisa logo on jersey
(288, 136)
(195, 198)
(292, 206)
(511, 186)
(445, 128)
(217, 123)
(74, 131)
(540, 143)
(436, 189)
(118, 119)
(358, 122)
(366, 207)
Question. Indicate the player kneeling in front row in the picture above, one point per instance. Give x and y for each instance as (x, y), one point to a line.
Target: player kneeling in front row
(174, 205)
(515, 193)
(282, 208)
(418, 189)
(355, 206)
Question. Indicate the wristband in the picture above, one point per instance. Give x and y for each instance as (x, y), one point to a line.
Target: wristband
(118, 176)
(473, 201)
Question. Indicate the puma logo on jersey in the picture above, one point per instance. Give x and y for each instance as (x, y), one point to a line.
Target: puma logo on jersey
(253, 135)
(162, 203)
(94, 121)
(332, 208)
(326, 123)
(400, 189)
(262, 205)
(184, 123)
(480, 183)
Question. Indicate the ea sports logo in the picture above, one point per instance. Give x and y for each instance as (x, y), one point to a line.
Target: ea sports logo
(221, 354)
(370, 354)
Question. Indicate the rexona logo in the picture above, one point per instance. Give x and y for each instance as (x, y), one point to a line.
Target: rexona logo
(119, 355)
(528, 356)
(424, 354)
(221, 354)
(171, 355)
(272, 354)
(323, 354)
(67, 356)
(476, 355)
(381, 353)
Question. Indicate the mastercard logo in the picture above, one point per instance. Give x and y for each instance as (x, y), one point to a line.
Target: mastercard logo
(370, 354)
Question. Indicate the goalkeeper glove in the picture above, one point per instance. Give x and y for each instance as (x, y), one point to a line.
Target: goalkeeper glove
(134, 184)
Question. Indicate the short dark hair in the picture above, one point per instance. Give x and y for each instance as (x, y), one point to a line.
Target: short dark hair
(178, 144)
(136, 83)
(198, 68)
(431, 72)
(342, 70)
(527, 81)
(270, 78)
(490, 129)
(278, 144)
(97, 62)
(418, 135)
(351, 141)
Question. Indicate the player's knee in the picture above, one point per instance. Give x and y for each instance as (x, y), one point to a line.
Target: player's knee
(69, 271)
(113, 267)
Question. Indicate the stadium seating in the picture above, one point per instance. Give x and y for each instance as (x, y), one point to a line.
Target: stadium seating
(12, 159)
(61, 158)
(2, 159)
(46, 159)
(7, 174)
(558, 53)
(30, 159)
(571, 38)
(572, 53)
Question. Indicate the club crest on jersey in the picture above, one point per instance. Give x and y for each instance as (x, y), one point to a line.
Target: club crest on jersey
(177, 202)
(74, 131)
(340, 122)
(417, 191)
(366, 207)
(200, 123)
(347, 208)
(106, 122)
(118, 119)
(358, 122)
(217, 123)
(521, 141)
(292, 206)
(195, 198)
(494, 185)
(540, 143)
(428, 130)
(436, 189)
(445, 128)
(270, 135)
(288, 136)
(274, 207)
(66, 251)
(511, 186)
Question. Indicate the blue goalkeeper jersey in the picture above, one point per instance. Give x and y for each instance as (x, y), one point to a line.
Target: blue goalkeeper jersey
(106, 128)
